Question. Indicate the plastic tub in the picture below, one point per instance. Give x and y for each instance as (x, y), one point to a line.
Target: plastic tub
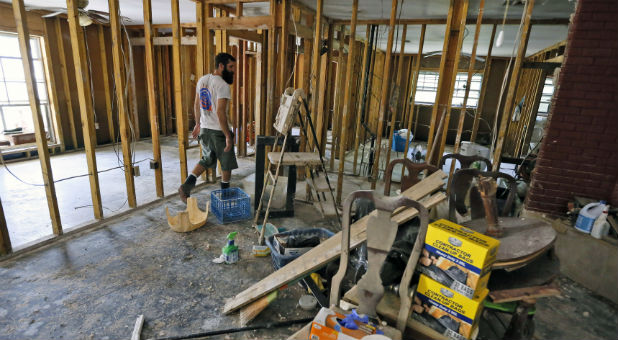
(279, 260)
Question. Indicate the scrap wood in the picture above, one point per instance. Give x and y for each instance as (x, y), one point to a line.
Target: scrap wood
(508, 295)
(330, 249)
(137, 330)
(188, 220)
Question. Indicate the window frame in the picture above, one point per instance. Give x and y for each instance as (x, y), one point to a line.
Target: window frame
(461, 78)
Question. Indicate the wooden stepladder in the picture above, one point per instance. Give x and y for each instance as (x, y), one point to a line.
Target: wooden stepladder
(289, 108)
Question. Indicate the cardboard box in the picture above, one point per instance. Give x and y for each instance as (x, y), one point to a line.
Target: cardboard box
(458, 257)
(446, 311)
(326, 327)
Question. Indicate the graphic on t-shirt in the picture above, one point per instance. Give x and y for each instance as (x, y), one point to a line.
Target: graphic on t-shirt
(205, 99)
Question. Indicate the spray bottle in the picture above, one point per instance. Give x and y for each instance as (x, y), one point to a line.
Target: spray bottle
(230, 251)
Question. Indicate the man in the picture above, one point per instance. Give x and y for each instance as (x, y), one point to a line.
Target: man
(211, 104)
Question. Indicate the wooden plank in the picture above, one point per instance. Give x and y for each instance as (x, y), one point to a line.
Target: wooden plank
(509, 103)
(106, 85)
(121, 100)
(330, 249)
(449, 62)
(359, 119)
(168, 91)
(384, 94)
(52, 84)
(152, 99)
(486, 72)
(323, 90)
(417, 70)
(508, 295)
(181, 121)
(5, 239)
(240, 23)
(65, 82)
(295, 158)
(23, 34)
(347, 105)
(395, 109)
(82, 77)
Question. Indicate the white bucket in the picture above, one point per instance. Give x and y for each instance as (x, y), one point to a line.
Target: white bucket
(587, 216)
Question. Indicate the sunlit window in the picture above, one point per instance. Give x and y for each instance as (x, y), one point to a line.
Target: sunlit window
(548, 92)
(15, 110)
(427, 87)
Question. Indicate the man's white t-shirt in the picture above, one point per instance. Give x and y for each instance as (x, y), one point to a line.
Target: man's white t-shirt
(211, 88)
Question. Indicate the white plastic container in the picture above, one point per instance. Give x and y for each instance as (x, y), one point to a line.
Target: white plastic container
(587, 216)
(601, 226)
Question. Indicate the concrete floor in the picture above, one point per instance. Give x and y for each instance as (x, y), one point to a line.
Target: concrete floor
(25, 206)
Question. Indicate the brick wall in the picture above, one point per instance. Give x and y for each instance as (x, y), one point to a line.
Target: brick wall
(579, 153)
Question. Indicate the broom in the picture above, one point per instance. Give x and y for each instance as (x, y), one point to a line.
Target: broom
(249, 312)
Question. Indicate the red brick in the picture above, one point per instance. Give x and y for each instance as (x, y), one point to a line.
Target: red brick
(604, 15)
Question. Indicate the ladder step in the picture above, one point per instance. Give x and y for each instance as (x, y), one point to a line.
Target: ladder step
(272, 177)
(295, 158)
(320, 184)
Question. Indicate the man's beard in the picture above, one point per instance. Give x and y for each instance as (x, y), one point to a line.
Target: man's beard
(227, 76)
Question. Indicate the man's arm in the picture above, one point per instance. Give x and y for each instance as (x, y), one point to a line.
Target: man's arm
(197, 114)
(221, 114)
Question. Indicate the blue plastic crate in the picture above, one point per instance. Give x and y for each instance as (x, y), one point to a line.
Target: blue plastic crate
(230, 205)
(279, 260)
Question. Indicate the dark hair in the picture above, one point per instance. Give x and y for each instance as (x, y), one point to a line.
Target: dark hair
(223, 58)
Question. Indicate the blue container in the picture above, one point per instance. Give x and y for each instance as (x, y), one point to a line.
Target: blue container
(399, 143)
(280, 260)
(230, 205)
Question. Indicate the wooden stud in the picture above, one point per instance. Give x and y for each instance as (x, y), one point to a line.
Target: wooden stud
(160, 89)
(66, 82)
(283, 48)
(509, 102)
(82, 77)
(121, 84)
(315, 75)
(359, 119)
(19, 12)
(242, 96)
(347, 105)
(261, 85)
(5, 239)
(323, 91)
(106, 85)
(398, 89)
(272, 53)
(51, 85)
(441, 21)
(384, 95)
(336, 121)
(132, 93)
(526, 135)
(152, 98)
(449, 63)
(486, 72)
(417, 70)
(181, 123)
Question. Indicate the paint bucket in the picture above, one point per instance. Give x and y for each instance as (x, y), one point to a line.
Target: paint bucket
(589, 213)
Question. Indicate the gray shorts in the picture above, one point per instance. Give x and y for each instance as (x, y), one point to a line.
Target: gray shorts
(213, 144)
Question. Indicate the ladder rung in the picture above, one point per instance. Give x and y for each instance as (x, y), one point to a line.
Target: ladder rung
(320, 184)
(272, 177)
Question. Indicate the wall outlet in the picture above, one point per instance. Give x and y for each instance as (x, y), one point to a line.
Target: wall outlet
(136, 171)
(96, 125)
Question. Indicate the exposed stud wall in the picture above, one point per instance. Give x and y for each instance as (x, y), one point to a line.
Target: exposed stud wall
(578, 154)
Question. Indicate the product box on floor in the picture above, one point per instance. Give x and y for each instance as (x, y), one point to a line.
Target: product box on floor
(458, 257)
(446, 311)
(330, 325)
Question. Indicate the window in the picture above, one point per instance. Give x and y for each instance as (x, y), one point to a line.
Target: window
(427, 88)
(14, 106)
(548, 92)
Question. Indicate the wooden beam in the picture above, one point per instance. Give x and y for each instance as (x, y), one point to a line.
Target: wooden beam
(23, 34)
(5, 239)
(260, 90)
(65, 82)
(417, 70)
(384, 94)
(318, 115)
(347, 105)
(323, 90)
(271, 79)
(449, 62)
(397, 88)
(339, 81)
(510, 97)
(160, 89)
(106, 85)
(542, 65)
(240, 23)
(231, 1)
(152, 98)
(283, 48)
(82, 77)
(359, 120)
(486, 72)
(442, 21)
(52, 84)
(181, 119)
(120, 81)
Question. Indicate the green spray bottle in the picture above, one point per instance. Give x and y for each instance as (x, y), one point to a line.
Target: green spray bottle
(230, 251)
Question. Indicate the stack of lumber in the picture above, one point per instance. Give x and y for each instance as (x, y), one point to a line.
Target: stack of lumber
(426, 192)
